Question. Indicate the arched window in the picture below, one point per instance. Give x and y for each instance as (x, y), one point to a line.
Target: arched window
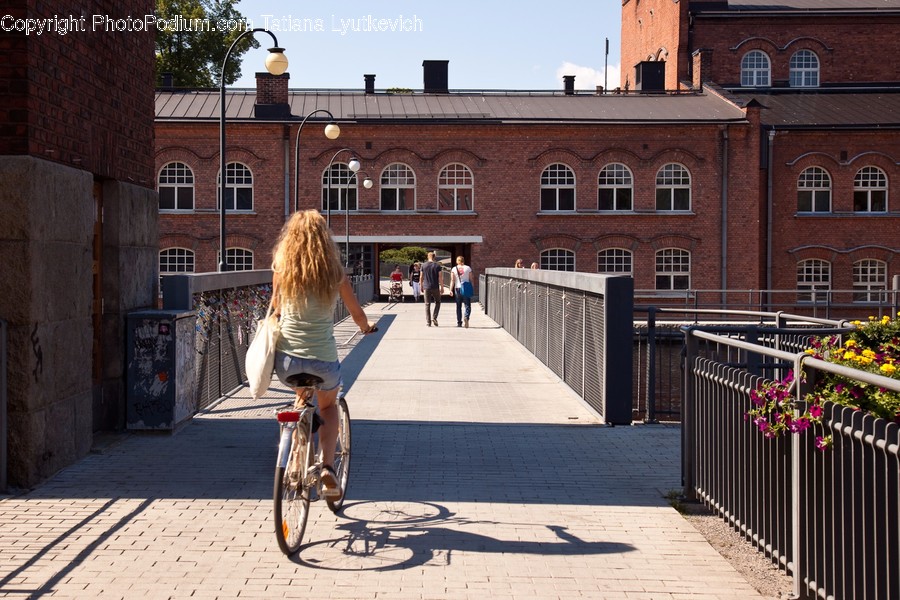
(558, 259)
(398, 188)
(673, 269)
(176, 260)
(755, 69)
(615, 261)
(804, 69)
(813, 280)
(557, 188)
(176, 187)
(339, 188)
(869, 280)
(456, 188)
(673, 188)
(870, 190)
(615, 188)
(814, 190)
(238, 187)
(239, 259)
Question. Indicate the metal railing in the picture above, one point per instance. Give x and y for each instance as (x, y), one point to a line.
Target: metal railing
(227, 306)
(577, 324)
(829, 518)
(825, 304)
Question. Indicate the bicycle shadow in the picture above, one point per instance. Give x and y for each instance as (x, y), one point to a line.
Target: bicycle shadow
(407, 540)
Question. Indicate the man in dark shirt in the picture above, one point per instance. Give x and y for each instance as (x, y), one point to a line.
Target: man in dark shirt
(431, 289)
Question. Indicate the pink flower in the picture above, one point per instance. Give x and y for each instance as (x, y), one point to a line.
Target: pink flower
(815, 411)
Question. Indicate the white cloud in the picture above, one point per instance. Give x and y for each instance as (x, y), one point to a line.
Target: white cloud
(588, 78)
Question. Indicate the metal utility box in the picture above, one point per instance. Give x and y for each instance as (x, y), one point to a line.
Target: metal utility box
(160, 357)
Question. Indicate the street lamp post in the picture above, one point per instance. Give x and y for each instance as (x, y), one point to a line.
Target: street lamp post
(353, 165)
(332, 131)
(367, 183)
(276, 64)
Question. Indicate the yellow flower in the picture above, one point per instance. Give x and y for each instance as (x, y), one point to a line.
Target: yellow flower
(869, 353)
(871, 318)
(849, 355)
(850, 343)
(885, 320)
(888, 369)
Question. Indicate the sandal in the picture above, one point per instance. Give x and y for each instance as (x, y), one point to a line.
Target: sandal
(330, 486)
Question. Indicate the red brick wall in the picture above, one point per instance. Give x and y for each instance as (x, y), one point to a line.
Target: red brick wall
(844, 46)
(507, 162)
(70, 99)
(651, 28)
(841, 236)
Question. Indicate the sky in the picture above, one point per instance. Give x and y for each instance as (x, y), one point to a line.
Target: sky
(526, 45)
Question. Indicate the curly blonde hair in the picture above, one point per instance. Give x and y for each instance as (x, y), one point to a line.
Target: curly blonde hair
(307, 260)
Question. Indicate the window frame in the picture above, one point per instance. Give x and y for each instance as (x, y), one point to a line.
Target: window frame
(868, 182)
(668, 185)
(179, 188)
(552, 258)
(347, 194)
(558, 182)
(812, 288)
(804, 74)
(812, 181)
(666, 263)
(615, 257)
(231, 255)
(453, 183)
(230, 184)
(619, 182)
(750, 73)
(182, 254)
(398, 186)
(869, 287)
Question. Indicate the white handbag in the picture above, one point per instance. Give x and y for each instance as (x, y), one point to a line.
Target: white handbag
(260, 360)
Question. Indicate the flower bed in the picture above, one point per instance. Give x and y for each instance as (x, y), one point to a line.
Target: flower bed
(873, 346)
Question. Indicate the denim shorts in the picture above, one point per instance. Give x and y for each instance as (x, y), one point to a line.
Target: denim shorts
(287, 365)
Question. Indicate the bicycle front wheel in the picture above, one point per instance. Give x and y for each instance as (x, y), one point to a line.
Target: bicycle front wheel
(292, 491)
(342, 454)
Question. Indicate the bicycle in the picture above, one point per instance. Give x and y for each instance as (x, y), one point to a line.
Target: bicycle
(299, 465)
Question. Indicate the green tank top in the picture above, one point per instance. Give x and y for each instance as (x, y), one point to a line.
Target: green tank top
(308, 332)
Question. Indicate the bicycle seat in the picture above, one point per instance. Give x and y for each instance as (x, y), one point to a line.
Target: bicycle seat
(303, 380)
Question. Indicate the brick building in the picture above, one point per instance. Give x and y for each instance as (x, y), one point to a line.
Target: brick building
(699, 173)
(78, 224)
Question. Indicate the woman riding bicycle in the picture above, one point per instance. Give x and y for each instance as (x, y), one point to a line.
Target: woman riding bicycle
(307, 279)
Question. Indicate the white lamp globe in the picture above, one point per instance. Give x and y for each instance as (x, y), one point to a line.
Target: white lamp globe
(332, 131)
(353, 165)
(276, 61)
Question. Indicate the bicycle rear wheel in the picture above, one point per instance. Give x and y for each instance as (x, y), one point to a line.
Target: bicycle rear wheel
(342, 454)
(292, 491)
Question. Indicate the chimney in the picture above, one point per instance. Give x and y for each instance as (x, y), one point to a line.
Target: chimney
(168, 80)
(370, 83)
(272, 96)
(701, 67)
(569, 84)
(436, 76)
(650, 76)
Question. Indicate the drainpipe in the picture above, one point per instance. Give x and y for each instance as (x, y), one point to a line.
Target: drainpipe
(286, 142)
(724, 267)
(769, 202)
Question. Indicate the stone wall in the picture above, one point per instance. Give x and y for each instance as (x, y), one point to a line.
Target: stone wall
(47, 218)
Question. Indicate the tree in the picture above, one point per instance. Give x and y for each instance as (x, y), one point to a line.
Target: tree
(403, 256)
(192, 37)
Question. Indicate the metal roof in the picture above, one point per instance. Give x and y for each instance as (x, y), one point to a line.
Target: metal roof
(827, 109)
(203, 105)
(801, 5)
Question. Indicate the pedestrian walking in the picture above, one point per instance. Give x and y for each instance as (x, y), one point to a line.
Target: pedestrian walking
(432, 287)
(415, 273)
(462, 289)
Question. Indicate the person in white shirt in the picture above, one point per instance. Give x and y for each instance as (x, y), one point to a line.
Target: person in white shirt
(462, 288)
